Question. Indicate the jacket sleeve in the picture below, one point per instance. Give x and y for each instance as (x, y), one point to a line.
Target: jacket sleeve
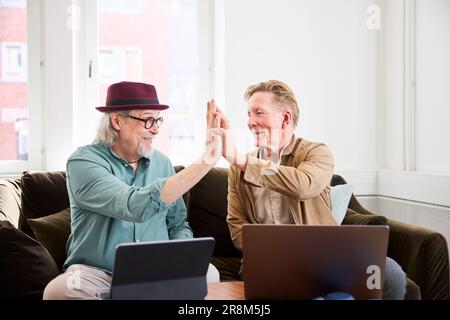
(303, 182)
(236, 217)
(94, 188)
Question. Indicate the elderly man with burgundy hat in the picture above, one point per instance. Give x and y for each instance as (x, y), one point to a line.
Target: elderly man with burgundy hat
(123, 190)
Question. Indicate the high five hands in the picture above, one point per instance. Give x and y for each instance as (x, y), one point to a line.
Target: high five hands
(218, 127)
(213, 143)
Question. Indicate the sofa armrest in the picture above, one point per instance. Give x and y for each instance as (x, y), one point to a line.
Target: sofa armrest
(423, 255)
(10, 203)
(353, 217)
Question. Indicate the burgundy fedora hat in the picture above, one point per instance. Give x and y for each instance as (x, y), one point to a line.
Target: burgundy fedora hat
(130, 96)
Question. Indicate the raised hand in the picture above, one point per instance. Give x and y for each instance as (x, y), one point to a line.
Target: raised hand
(210, 114)
(219, 125)
(224, 123)
(181, 182)
(214, 143)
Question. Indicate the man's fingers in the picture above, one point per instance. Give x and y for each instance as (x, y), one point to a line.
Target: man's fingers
(209, 114)
(224, 121)
(217, 121)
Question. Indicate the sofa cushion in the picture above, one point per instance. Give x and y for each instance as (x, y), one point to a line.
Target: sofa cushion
(52, 232)
(208, 211)
(10, 200)
(25, 265)
(43, 193)
(340, 197)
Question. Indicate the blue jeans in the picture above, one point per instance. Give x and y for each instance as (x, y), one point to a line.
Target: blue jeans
(394, 286)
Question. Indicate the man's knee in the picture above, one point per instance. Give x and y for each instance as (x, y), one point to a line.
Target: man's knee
(394, 281)
(56, 289)
(78, 282)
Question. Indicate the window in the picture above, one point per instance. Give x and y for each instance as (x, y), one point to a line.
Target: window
(120, 6)
(116, 64)
(13, 83)
(13, 3)
(158, 45)
(107, 66)
(14, 62)
(133, 64)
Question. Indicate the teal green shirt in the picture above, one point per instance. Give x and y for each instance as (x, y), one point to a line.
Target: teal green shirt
(111, 205)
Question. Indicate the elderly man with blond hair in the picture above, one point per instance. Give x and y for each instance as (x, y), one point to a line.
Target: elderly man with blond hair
(286, 179)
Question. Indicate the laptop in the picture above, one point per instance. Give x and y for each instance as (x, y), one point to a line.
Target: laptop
(306, 261)
(161, 270)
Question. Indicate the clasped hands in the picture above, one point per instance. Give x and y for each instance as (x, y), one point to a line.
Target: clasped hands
(219, 139)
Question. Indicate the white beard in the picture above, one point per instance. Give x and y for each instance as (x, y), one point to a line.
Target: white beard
(144, 151)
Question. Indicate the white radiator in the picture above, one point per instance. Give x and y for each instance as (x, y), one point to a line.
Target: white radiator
(421, 214)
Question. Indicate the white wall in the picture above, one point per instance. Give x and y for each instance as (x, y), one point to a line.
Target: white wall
(433, 85)
(379, 98)
(423, 77)
(392, 123)
(325, 52)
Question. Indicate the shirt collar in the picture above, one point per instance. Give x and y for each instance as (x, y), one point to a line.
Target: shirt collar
(125, 161)
(285, 151)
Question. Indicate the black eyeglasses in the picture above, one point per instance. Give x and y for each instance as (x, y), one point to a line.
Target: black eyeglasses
(149, 122)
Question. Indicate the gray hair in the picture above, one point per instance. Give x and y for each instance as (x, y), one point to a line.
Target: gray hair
(106, 134)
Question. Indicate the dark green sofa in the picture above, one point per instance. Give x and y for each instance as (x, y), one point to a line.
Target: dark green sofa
(422, 253)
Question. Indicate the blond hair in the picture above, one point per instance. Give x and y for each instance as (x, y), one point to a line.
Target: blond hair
(283, 95)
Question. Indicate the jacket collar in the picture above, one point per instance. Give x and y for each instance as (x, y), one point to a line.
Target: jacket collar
(290, 148)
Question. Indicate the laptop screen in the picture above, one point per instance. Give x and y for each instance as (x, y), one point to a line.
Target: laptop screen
(305, 261)
(172, 270)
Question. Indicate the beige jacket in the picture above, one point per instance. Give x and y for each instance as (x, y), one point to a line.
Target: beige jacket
(304, 177)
